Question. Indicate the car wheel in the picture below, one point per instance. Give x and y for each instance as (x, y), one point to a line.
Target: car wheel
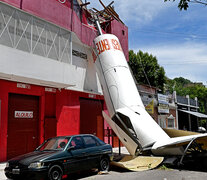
(104, 164)
(55, 173)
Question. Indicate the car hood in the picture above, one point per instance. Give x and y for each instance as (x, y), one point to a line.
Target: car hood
(35, 156)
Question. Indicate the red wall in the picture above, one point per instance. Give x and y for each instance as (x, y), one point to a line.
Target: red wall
(121, 31)
(67, 102)
(15, 3)
(67, 110)
(7, 87)
(69, 121)
(62, 15)
(51, 10)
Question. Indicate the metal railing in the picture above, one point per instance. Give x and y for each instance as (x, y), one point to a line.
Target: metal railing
(25, 32)
(184, 100)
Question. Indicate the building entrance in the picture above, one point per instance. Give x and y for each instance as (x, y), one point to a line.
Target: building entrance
(23, 124)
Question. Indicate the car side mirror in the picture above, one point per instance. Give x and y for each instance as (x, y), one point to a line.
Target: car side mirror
(71, 148)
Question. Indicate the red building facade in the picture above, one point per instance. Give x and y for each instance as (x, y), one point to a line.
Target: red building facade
(48, 83)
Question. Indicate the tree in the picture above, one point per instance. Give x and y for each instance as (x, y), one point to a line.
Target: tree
(146, 69)
(200, 92)
(184, 4)
(185, 87)
(178, 85)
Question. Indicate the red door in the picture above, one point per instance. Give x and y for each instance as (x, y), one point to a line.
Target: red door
(23, 124)
(91, 120)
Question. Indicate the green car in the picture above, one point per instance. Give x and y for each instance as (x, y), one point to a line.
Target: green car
(61, 156)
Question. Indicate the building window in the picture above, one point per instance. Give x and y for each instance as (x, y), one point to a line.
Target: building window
(162, 121)
(171, 121)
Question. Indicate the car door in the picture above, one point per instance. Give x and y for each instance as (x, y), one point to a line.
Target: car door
(77, 155)
(93, 151)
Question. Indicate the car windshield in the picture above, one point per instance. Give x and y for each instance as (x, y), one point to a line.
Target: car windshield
(57, 143)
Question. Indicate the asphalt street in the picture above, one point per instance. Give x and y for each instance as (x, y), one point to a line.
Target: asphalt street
(121, 174)
(118, 174)
(152, 175)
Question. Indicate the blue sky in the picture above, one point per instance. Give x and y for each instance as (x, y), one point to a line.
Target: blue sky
(177, 38)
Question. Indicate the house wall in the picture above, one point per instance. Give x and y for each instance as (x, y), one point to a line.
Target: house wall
(63, 16)
(30, 67)
(66, 111)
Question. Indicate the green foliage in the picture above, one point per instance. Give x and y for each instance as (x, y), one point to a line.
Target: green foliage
(185, 87)
(178, 85)
(200, 92)
(164, 167)
(182, 81)
(184, 4)
(146, 69)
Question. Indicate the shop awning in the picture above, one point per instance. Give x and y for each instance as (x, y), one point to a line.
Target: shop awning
(197, 114)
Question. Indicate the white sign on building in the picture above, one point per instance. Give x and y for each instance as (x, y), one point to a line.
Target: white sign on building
(23, 114)
(163, 106)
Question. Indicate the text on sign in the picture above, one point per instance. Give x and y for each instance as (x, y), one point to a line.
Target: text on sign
(106, 44)
(23, 114)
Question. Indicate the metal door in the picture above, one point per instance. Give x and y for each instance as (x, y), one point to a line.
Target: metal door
(23, 124)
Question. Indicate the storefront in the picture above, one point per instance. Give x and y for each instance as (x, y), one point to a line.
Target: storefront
(188, 115)
(167, 111)
(30, 114)
(48, 81)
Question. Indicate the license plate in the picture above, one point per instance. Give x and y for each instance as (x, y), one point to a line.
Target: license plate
(15, 171)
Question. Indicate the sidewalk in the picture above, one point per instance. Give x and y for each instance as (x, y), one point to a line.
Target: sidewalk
(2, 166)
(123, 150)
(117, 156)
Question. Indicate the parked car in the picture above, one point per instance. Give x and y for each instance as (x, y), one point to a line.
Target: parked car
(60, 156)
